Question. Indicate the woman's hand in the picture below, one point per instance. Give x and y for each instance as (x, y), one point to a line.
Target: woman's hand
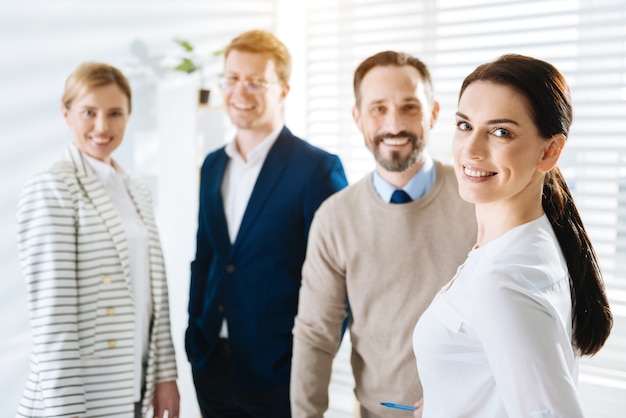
(418, 408)
(166, 398)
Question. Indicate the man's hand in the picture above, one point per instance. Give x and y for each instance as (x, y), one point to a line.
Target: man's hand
(418, 408)
(166, 398)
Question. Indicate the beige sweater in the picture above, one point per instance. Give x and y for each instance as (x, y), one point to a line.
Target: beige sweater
(389, 261)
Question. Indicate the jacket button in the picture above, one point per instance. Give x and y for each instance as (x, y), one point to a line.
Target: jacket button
(110, 311)
(230, 268)
(106, 279)
(112, 343)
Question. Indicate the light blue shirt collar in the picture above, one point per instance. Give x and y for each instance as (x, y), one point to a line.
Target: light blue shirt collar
(417, 187)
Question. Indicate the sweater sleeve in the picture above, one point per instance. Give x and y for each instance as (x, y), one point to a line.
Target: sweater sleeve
(321, 312)
(47, 251)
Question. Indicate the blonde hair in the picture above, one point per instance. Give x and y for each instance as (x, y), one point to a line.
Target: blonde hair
(264, 42)
(93, 74)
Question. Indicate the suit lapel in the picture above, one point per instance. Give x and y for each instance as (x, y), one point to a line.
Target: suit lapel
(103, 205)
(273, 167)
(215, 204)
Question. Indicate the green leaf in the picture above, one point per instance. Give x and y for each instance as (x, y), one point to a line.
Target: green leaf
(185, 44)
(187, 66)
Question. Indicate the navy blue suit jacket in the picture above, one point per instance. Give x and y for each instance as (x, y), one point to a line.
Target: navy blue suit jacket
(254, 282)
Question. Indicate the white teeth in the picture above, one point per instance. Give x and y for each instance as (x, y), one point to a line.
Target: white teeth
(242, 107)
(473, 173)
(101, 140)
(395, 141)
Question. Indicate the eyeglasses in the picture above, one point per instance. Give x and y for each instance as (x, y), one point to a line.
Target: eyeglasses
(253, 85)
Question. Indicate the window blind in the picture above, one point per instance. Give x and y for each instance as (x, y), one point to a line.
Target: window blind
(585, 39)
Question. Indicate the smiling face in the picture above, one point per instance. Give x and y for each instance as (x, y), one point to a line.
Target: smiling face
(395, 116)
(97, 119)
(499, 155)
(259, 112)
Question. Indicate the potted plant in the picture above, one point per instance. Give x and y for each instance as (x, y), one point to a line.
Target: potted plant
(191, 63)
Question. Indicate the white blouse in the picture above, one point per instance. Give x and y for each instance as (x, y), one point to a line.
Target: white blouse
(114, 179)
(496, 340)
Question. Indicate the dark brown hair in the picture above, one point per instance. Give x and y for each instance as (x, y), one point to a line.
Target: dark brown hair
(398, 59)
(550, 107)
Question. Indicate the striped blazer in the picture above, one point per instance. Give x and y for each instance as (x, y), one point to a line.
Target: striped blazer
(74, 257)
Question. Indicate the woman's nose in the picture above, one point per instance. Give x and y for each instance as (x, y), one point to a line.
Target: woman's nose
(101, 124)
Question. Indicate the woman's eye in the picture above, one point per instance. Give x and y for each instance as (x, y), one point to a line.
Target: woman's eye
(502, 132)
(463, 126)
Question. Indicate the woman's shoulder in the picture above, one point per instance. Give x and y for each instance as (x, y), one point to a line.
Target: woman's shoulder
(61, 172)
(528, 259)
(54, 189)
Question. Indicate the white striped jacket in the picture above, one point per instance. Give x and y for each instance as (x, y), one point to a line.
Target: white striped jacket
(74, 257)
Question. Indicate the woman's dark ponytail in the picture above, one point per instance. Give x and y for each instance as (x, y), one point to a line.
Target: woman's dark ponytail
(591, 317)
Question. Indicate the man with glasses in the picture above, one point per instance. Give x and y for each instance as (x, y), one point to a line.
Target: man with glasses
(258, 195)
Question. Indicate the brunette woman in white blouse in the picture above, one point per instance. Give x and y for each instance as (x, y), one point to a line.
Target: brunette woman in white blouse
(92, 260)
(503, 337)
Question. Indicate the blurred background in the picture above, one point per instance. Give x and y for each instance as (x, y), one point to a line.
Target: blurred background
(170, 132)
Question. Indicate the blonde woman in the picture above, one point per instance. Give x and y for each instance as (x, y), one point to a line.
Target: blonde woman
(92, 260)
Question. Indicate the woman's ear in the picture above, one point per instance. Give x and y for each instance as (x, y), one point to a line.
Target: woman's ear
(552, 153)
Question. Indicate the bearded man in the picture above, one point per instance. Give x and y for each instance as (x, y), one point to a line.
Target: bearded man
(385, 245)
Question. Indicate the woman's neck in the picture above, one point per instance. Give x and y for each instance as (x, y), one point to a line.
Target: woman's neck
(496, 219)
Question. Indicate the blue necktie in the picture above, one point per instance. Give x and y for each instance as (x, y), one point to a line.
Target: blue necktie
(400, 196)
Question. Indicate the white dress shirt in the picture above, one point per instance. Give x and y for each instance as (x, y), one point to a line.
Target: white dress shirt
(497, 340)
(114, 180)
(239, 179)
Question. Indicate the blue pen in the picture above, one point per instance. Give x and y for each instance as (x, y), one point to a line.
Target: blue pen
(398, 406)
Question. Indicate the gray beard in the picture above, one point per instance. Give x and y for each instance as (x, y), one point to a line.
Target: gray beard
(398, 164)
